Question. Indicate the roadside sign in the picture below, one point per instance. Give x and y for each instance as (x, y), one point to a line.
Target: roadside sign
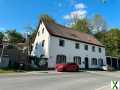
(114, 85)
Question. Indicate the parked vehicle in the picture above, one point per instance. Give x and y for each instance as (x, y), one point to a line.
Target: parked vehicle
(108, 68)
(70, 67)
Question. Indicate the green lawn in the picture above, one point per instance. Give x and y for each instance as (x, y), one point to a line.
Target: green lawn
(6, 71)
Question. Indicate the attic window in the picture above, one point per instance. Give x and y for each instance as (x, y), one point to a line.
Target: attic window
(43, 43)
(42, 30)
(36, 46)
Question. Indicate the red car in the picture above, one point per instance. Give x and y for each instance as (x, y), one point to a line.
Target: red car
(67, 67)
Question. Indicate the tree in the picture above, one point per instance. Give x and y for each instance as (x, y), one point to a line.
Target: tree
(98, 24)
(82, 25)
(114, 42)
(1, 36)
(111, 40)
(32, 31)
(14, 37)
(46, 18)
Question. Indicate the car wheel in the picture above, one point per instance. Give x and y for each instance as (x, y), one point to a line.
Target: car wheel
(77, 69)
(64, 70)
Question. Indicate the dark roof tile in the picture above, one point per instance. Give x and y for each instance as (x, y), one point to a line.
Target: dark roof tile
(68, 33)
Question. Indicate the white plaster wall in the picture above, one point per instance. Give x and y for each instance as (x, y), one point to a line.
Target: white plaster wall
(51, 49)
(70, 51)
(39, 38)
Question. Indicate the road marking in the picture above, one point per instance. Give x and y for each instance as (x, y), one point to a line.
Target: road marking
(103, 87)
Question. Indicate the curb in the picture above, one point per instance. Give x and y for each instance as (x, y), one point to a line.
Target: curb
(105, 73)
(31, 73)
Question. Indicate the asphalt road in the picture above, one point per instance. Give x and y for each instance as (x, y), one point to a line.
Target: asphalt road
(57, 81)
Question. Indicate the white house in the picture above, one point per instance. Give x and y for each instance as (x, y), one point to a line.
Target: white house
(60, 44)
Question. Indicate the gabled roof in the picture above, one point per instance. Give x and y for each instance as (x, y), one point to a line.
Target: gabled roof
(68, 33)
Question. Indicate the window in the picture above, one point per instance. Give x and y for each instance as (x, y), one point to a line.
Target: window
(93, 48)
(1, 46)
(43, 43)
(61, 43)
(77, 59)
(60, 59)
(86, 47)
(42, 30)
(36, 46)
(10, 47)
(94, 61)
(100, 50)
(100, 61)
(77, 45)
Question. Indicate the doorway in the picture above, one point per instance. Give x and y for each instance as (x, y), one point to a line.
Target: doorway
(86, 63)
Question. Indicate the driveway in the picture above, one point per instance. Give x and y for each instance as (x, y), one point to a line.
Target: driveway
(58, 81)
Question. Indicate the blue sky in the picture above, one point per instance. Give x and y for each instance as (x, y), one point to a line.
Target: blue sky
(22, 13)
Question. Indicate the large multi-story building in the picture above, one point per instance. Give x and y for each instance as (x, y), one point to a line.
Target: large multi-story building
(59, 44)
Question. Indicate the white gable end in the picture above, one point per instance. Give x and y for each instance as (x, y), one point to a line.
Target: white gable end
(41, 43)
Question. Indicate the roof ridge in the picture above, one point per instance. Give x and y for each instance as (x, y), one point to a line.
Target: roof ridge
(74, 30)
(59, 30)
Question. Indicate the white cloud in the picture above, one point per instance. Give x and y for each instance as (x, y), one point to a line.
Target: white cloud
(66, 17)
(80, 6)
(80, 12)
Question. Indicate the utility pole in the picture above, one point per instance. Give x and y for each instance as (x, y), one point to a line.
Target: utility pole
(28, 46)
(117, 52)
(111, 49)
(28, 39)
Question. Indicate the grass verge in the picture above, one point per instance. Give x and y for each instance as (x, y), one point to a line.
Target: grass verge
(6, 71)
